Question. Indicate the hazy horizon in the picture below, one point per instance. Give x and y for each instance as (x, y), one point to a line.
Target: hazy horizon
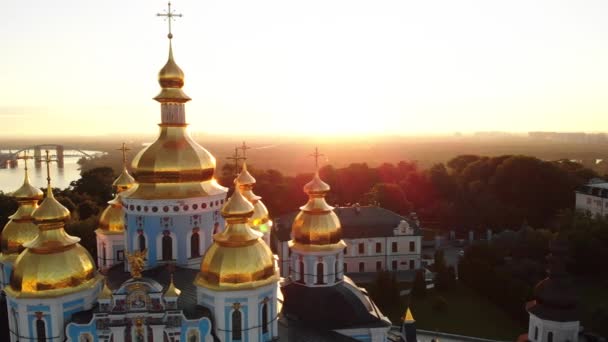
(341, 68)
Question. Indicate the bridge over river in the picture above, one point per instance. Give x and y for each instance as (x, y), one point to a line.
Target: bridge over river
(9, 160)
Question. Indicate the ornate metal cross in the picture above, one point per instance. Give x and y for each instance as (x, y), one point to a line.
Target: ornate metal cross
(124, 150)
(25, 157)
(169, 15)
(47, 160)
(235, 157)
(244, 148)
(316, 155)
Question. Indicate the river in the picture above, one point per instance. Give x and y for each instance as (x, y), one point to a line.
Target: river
(12, 178)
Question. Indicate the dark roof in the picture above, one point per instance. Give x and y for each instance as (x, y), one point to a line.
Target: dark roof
(294, 331)
(333, 307)
(183, 279)
(83, 317)
(357, 222)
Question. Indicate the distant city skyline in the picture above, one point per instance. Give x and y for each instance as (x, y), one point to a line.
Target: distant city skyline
(326, 68)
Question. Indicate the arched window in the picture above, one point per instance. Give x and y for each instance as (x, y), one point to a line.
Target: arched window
(195, 240)
(301, 271)
(103, 253)
(264, 318)
(336, 271)
(216, 228)
(320, 279)
(236, 325)
(535, 333)
(40, 330)
(550, 337)
(142, 241)
(167, 246)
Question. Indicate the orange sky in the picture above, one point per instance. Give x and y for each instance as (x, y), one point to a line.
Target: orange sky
(315, 67)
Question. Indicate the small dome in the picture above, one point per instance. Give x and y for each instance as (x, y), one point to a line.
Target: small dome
(27, 191)
(245, 182)
(171, 80)
(124, 181)
(316, 186)
(19, 230)
(53, 264)
(238, 258)
(51, 210)
(244, 178)
(172, 291)
(112, 218)
(316, 224)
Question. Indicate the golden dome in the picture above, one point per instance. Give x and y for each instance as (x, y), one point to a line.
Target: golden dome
(172, 291)
(21, 228)
(112, 219)
(171, 79)
(316, 227)
(245, 182)
(50, 209)
(124, 181)
(238, 258)
(53, 264)
(173, 158)
(27, 191)
(105, 293)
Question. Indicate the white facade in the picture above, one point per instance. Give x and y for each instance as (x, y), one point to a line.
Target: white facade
(110, 249)
(593, 198)
(255, 308)
(551, 331)
(395, 253)
(27, 316)
(400, 252)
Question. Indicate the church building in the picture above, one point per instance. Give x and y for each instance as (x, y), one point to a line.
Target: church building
(176, 259)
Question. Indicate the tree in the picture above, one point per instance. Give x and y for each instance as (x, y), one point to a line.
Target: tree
(444, 277)
(419, 286)
(97, 183)
(86, 209)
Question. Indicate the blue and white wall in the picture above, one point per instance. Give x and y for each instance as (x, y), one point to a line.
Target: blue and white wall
(24, 313)
(250, 304)
(177, 219)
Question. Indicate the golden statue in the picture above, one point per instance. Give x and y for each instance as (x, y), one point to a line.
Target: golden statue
(136, 262)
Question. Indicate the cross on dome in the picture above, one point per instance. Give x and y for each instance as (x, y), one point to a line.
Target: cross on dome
(316, 155)
(124, 150)
(169, 16)
(235, 157)
(47, 160)
(25, 158)
(244, 148)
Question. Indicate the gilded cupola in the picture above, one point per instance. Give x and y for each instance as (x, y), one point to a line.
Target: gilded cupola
(316, 227)
(112, 220)
(53, 263)
(238, 258)
(21, 227)
(174, 166)
(245, 182)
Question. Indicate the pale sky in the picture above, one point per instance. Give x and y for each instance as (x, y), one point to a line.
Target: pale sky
(317, 66)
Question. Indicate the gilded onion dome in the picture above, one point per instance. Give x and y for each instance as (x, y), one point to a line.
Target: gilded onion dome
(112, 219)
(21, 228)
(124, 181)
(172, 291)
(316, 226)
(245, 182)
(52, 264)
(238, 258)
(174, 166)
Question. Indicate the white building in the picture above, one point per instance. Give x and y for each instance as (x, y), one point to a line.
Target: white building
(376, 239)
(593, 197)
